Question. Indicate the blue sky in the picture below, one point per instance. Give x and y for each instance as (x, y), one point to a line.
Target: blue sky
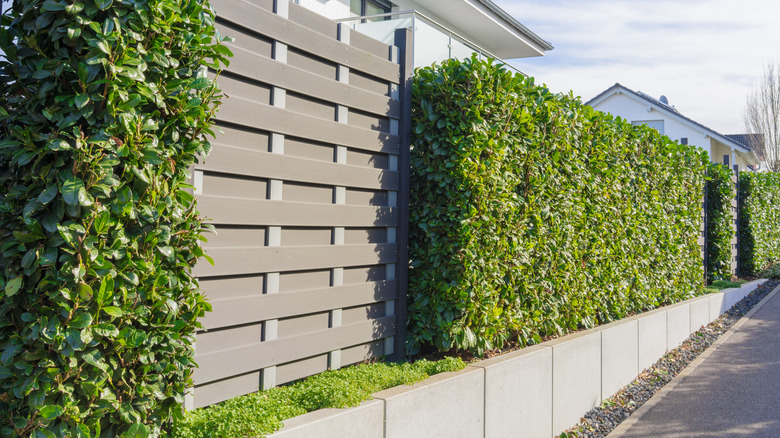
(703, 55)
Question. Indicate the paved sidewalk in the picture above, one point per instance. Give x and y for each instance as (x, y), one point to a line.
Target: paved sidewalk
(734, 391)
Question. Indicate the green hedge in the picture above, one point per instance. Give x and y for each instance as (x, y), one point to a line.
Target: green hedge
(719, 191)
(105, 106)
(533, 215)
(758, 222)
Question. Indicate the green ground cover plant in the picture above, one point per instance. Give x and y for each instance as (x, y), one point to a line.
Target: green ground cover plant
(758, 217)
(260, 413)
(105, 106)
(533, 214)
(719, 191)
(719, 285)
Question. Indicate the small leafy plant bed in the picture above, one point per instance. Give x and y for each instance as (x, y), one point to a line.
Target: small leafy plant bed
(600, 421)
(261, 413)
(719, 285)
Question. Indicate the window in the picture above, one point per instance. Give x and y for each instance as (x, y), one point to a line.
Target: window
(658, 125)
(684, 140)
(370, 7)
(726, 159)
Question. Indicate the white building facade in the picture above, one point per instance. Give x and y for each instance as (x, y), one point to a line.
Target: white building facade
(639, 108)
(442, 28)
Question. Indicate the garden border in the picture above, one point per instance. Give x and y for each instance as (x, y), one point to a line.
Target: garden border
(546, 387)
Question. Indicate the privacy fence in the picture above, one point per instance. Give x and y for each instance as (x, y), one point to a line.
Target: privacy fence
(308, 189)
(306, 186)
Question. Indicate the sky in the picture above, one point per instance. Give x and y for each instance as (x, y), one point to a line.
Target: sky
(704, 55)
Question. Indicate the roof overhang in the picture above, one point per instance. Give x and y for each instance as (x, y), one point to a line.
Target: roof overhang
(489, 26)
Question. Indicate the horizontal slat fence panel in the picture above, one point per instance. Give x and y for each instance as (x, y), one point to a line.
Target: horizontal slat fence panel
(235, 361)
(303, 187)
(269, 118)
(284, 167)
(243, 260)
(298, 80)
(245, 310)
(248, 15)
(246, 211)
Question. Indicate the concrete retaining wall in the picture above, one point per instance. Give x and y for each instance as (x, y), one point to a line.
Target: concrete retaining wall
(539, 391)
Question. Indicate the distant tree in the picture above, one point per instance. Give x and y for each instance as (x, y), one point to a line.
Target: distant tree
(762, 116)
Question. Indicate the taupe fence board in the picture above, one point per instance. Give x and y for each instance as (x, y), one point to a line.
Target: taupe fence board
(303, 188)
(221, 364)
(269, 118)
(247, 211)
(247, 260)
(256, 163)
(248, 15)
(245, 310)
(298, 80)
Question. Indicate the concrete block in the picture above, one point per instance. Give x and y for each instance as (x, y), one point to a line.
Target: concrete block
(735, 295)
(700, 313)
(445, 405)
(576, 377)
(717, 305)
(678, 323)
(364, 421)
(652, 338)
(518, 393)
(619, 355)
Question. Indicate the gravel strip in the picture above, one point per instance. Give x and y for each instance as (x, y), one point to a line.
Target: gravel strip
(600, 421)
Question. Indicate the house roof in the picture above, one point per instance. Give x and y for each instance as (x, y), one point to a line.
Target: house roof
(486, 24)
(669, 110)
(510, 20)
(748, 140)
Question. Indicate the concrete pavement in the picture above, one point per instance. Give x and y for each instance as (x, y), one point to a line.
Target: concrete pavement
(731, 390)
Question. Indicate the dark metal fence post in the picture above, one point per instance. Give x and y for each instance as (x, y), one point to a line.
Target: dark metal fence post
(405, 43)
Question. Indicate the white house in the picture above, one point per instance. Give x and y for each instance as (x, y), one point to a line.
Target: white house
(639, 108)
(442, 28)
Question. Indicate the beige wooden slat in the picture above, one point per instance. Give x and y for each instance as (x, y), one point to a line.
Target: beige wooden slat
(281, 121)
(364, 42)
(249, 260)
(251, 65)
(245, 310)
(312, 20)
(293, 34)
(225, 210)
(254, 356)
(239, 161)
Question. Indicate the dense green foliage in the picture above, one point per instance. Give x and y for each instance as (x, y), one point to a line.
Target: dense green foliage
(533, 214)
(262, 412)
(758, 222)
(719, 192)
(105, 106)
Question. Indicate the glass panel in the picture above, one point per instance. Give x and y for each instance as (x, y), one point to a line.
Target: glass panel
(383, 30)
(376, 9)
(354, 6)
(430, 44)
(460, 50)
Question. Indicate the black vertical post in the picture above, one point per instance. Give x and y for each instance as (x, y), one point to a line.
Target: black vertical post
(405, 43)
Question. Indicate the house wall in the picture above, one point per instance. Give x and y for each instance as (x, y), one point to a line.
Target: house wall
(628, 108)
(433, 44)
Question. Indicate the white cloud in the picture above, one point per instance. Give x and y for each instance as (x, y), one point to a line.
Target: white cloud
(703, 55)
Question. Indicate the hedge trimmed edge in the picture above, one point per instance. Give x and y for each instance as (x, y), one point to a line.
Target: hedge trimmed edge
(719, 192)
(533, 214)
(758, 221)
(106, 104)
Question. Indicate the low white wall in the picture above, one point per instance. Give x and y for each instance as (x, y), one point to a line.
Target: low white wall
(539, 391)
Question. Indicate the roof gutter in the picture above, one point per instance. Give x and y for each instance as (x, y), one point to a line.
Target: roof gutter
(516, 25)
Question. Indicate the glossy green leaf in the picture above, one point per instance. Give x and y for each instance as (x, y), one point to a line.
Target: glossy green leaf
(13, 285)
